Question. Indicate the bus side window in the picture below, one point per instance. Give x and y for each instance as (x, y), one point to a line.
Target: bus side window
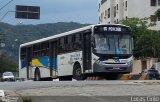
(66, 40)
(23, 54)
(58, 46)
(35, 51)
(66, 44)
(74, 38)
(70, 43)
(78, 43)
(44, 49)
(61, 46)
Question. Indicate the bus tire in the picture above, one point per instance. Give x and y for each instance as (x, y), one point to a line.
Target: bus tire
(77, 73)
(37, 75)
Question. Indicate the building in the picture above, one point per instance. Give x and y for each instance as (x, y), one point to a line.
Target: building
(112, 11)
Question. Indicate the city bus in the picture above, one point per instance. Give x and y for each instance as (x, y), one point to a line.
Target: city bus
(101, 49)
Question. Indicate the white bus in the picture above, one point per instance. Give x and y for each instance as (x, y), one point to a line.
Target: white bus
(93, 50)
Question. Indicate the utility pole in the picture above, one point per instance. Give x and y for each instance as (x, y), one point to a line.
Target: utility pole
(2, 43)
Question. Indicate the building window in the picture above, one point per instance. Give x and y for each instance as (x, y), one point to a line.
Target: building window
(103, 1)
(117, 6)
(158, 2)
(126, 4)
(109, 13)
(117, 21)
(115, 11)
(153, 2)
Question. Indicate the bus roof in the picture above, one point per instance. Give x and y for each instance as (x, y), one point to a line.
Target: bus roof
(64, 34)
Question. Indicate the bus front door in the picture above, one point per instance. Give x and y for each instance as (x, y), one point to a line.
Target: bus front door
(86, 51)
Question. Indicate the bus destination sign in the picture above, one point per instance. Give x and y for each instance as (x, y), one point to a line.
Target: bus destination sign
(111, 29)
(117, 29)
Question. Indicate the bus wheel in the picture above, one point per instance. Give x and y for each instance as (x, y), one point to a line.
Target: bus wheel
(37, 75)
(77, 73)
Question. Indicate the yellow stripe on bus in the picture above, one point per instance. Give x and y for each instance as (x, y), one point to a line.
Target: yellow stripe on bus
(36, 62)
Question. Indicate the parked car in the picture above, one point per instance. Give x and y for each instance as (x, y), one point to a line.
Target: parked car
(8, 76)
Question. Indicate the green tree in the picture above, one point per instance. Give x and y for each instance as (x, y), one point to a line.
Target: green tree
(157, 13)
(7, 64)
(146, 41)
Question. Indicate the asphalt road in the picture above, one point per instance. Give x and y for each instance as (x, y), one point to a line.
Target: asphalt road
(84, 91)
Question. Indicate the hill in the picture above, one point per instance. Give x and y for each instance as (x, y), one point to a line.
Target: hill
(18, 34)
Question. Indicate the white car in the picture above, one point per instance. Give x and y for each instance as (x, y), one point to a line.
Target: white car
(8, 76)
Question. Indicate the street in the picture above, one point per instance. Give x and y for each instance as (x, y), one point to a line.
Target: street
(90, 91)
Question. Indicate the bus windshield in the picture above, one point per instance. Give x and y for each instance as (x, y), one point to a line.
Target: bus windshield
(113, 43)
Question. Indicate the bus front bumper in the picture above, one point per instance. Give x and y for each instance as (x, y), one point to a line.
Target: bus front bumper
(112, 68)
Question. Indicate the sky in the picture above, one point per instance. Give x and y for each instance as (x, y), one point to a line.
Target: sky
(52, 11)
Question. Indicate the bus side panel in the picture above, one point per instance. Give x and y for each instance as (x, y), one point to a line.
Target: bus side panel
(22, 72)
(43, 64)
(66, 62)
(45, 72)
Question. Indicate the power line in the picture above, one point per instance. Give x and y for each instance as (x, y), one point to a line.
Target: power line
(5, 5)
(5, 15)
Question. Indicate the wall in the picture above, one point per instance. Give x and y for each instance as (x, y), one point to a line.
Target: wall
(137, 64)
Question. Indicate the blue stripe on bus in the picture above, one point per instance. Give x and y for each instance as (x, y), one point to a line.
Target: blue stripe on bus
(44, 61)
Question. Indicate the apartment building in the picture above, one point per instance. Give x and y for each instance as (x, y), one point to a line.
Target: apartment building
(112, 11)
